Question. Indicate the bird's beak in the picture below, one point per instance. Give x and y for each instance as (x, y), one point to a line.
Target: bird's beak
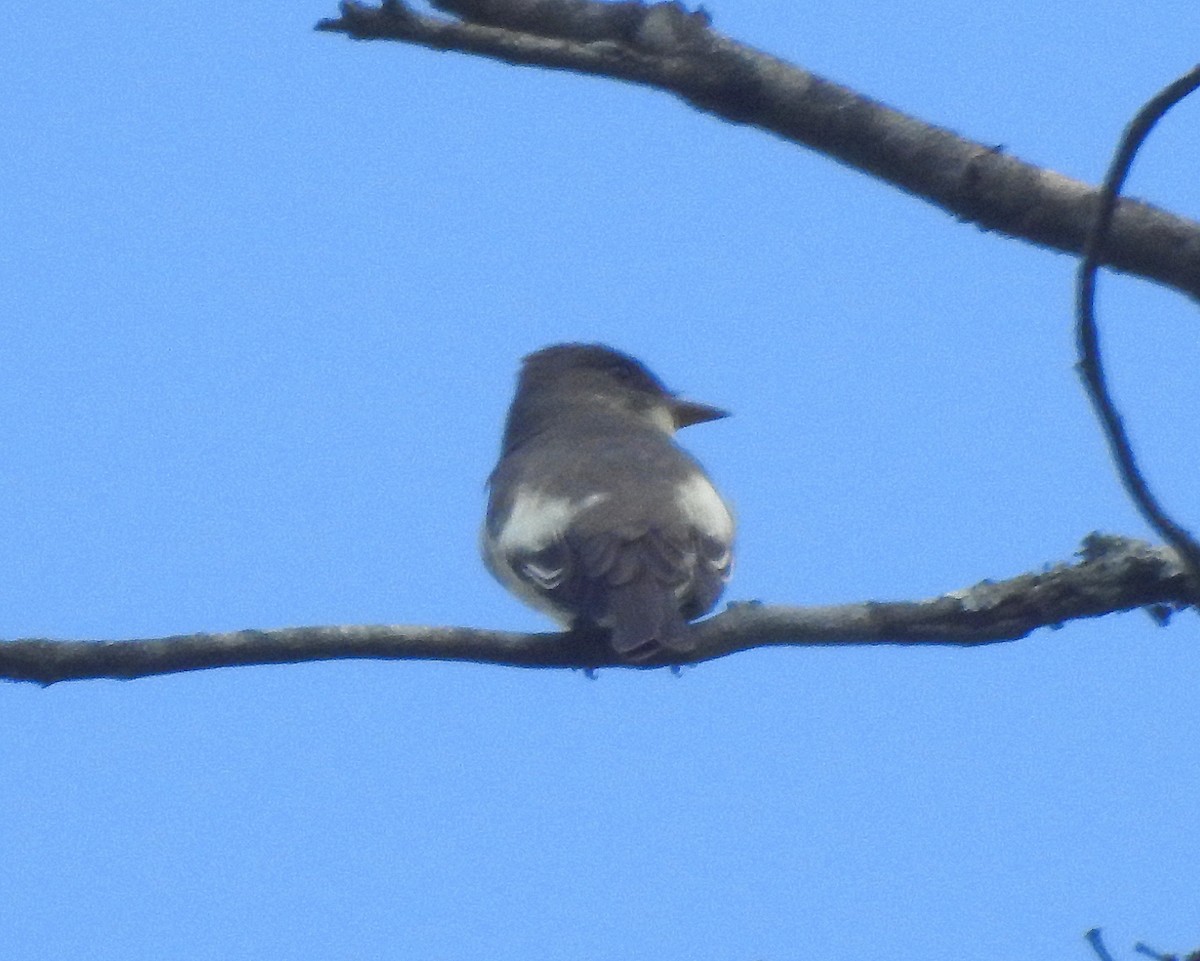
(688, 412)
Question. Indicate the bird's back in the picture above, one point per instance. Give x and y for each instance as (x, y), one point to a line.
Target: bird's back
(618, 528)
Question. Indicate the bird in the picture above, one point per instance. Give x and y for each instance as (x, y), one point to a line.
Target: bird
(595, 515)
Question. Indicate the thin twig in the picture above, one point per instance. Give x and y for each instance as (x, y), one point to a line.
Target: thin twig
(1089, 365)
(1097, 943)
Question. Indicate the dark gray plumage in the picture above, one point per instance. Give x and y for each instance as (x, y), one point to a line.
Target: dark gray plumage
(595, 515)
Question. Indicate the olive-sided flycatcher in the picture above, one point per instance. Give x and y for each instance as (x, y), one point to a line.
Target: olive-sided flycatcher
(595, 515)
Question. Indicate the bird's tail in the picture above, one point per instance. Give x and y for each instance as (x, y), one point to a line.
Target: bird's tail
(646, 624)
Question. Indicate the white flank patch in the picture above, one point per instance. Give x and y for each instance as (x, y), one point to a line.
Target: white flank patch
(703, 507)
(537, 519)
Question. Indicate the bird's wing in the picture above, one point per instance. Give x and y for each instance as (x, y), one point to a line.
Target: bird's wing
(642, 583)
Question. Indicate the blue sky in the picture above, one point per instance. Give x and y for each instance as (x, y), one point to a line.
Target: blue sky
(264, 294)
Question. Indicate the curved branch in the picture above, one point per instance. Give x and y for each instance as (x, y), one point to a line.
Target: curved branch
(1088, 337)
(1114, 574)
(659, 45)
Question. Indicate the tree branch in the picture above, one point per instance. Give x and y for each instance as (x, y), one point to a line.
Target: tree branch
(660, 45)
(1114, 574)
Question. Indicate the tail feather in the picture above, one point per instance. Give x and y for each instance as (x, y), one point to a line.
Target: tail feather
(646, 622)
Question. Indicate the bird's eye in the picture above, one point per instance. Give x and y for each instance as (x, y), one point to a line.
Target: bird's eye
(632, 375)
